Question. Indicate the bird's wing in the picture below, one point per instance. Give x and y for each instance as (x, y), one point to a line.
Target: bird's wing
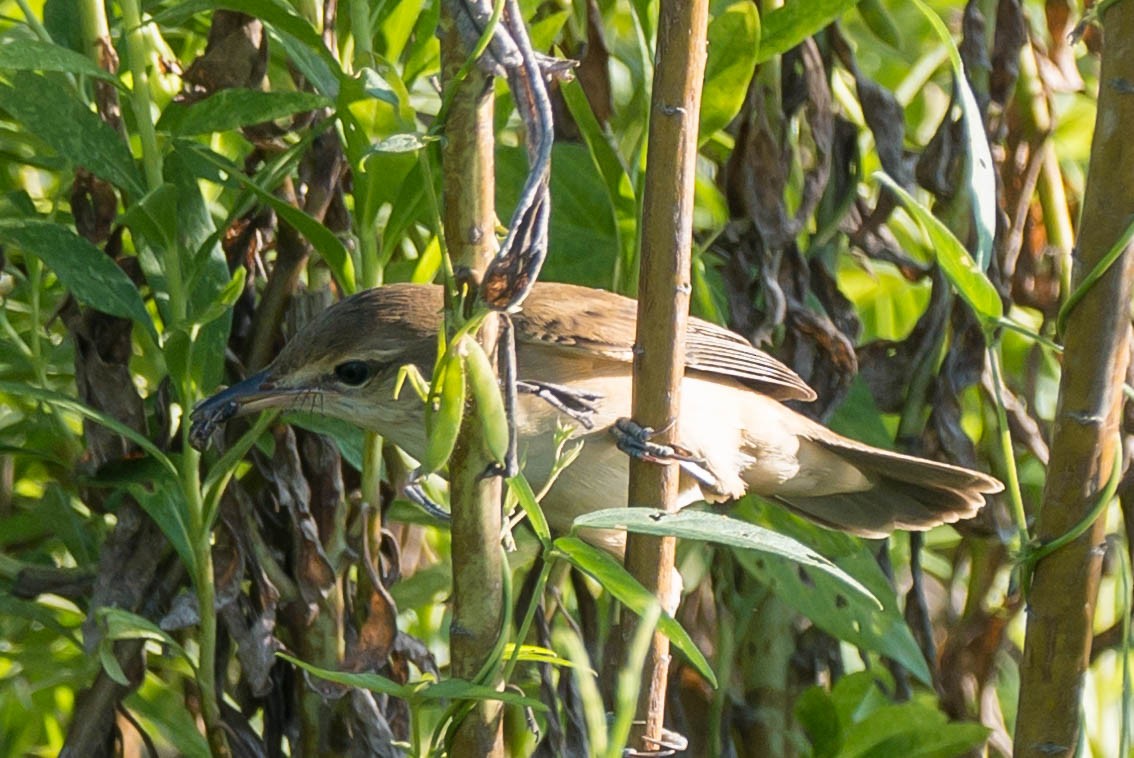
(603, 324)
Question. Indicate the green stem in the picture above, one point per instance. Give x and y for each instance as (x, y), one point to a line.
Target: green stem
(529, 616)
(33, 22)
(151, 155)
(1019, 515)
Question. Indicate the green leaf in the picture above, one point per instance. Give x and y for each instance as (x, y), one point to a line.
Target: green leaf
(89, 273)
(520, 487)
(117, 624)
(34, 55)
(622, 202)
(585, 239)
(796, 20)
(402, 143)
(163, 708)
(815, 711)
(911, 729)
(734, 39)
(320, 237)
(880, 22)
(68, 403)
(455, 689)
(159, 494)
(233, 108)
(628, 591)
(722, 530)
(980, 174)
(284, 18)
(959, 267)
(845, 616)
(348, 437)
(225, 298)
(72, 130)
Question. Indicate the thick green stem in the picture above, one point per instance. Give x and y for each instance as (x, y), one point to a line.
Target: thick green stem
(1087, 424)
(478, 568)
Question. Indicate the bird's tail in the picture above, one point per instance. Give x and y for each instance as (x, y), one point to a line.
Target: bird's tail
(907, 493)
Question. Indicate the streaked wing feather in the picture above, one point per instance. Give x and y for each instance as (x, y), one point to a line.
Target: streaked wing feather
(557, 313)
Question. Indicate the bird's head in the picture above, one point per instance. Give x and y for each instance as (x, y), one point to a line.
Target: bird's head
(344, 363)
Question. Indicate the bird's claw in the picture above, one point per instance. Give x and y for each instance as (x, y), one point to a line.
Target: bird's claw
(576, 404)
(634, 439)
(415, 493)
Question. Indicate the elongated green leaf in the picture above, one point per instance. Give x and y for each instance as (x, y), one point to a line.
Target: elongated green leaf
(233, 108)
(157, 490)
(796, 20)
(980, 175)
(455, 689)
(118, 624)
(734, 39)
(522, 489)
(1112, 255)
(619, 187)
(91, 276)
(721, 530)
(959, 267)
(320, 237)
(823, 600)
(35, 55)
(628, 591)
(879, 21)
(912, 729)
(71, 129)
(68, 403)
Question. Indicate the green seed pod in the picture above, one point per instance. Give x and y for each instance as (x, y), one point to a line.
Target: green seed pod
(880, 22)
(489, 403)
(444, 411)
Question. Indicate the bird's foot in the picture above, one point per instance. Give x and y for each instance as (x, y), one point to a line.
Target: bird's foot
(413, 491)
(634, 439)
(575, 404)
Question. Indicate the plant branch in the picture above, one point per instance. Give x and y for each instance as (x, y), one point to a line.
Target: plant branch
(663, 310)
(1065, 584)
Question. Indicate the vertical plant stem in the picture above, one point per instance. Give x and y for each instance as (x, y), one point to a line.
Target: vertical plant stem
(663, 310)
(151, 155)
(200, 531)
(1065, 583)
(1004, 435)
(469, 220)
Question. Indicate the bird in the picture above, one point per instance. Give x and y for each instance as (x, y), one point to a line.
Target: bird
(574, 354)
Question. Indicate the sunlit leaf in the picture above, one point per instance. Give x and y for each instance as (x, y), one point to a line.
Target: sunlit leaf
(72, 130)
(959, 267)
(980, 176)
(35, 55)
(734, 39)
(628, 591)
(722, 530)
(796, 20)
(233, 108)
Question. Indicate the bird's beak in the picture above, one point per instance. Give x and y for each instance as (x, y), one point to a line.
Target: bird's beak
(255, 393)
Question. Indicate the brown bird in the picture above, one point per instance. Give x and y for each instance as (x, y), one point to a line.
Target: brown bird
(574, 348)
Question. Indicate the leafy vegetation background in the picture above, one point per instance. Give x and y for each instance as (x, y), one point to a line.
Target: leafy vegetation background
(180, 183)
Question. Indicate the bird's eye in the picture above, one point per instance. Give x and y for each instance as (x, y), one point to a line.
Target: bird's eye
(352, 373)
